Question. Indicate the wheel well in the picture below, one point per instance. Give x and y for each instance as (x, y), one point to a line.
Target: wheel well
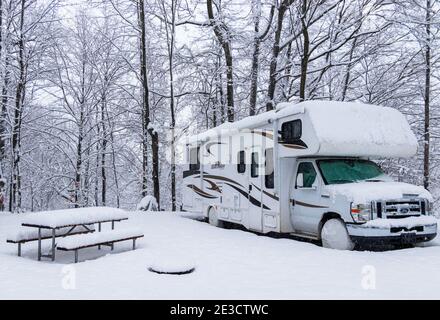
(325, 217)
(207, 210)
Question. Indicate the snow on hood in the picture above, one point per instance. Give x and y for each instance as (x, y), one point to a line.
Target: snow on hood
(364, 192)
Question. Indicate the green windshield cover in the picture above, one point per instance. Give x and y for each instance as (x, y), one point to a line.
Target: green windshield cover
(337, 171)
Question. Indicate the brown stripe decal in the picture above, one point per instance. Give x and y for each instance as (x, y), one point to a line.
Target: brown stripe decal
(293, 146)
(267, 134)
(213, 186)
(200, 192)
(252, 200)
(209, 144)
(267, 193)
(220, 178)
(304, 204)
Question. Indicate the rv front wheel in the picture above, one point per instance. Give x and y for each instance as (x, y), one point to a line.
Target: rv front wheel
(334, 235)
(213, 218)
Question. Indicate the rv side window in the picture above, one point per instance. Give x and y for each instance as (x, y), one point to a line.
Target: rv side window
(308, 172)
(254, 164)
(194, 161)
(241, 164)
(268, 168)
(291, 131)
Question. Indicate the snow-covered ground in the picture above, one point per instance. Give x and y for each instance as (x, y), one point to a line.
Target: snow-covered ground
(230, 264)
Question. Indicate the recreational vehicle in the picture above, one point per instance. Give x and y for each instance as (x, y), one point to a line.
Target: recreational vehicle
(306, 169)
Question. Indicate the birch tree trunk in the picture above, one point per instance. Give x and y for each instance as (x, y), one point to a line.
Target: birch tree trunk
(79, 147)
(426, 138)
(15, 188)
(103, 151)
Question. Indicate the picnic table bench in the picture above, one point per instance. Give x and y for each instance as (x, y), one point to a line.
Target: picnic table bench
(72, 223)
(105, 238)
(24, 235)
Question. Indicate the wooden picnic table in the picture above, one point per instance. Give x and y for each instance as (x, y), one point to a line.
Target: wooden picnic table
(54, 221)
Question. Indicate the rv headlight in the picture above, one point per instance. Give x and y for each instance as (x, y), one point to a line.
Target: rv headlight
(361, 212)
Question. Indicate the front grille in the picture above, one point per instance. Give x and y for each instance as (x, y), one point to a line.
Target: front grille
(400, 216)
(400, 229)
(401, 208)
(379, 209)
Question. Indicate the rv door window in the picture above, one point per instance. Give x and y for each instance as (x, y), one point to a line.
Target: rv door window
(291, 131)
(241, 164)
(268, 168)
(254, 164)
(308, 172)
(194, 161)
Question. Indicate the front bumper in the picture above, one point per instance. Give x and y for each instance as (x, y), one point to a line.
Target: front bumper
(362, 234)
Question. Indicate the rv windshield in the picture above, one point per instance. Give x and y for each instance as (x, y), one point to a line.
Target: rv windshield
(338, 171)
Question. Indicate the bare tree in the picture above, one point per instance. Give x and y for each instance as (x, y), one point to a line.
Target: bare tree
(273, 73)
(223, 35)
(148, 128)
(258, 38)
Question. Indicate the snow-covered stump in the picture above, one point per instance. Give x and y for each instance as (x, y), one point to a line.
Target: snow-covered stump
(147, 203)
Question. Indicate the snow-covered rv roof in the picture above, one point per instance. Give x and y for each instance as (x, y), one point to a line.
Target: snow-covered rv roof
(360, 130)
(335, 129)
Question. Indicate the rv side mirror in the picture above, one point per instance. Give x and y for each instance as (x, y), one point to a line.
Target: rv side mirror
(300, 180)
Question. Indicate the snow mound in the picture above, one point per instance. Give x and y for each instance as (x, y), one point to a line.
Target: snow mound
(334, 235)
(408, 223)
(364, 192)
(97, 237)
(191, 215)
(147, 203)
(61, 218)
(171, 264)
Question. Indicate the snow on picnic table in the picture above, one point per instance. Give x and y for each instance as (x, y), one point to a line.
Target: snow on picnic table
(61, 218)
(98, 237)
(230, 264)
(25, 233)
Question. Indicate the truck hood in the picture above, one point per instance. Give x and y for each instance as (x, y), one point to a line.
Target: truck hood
(364, 192)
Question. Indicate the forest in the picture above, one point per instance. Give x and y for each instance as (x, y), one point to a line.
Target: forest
(95, 95)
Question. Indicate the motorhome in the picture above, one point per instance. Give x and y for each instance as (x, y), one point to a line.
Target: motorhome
(310, 170)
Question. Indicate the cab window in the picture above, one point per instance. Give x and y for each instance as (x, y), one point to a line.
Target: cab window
(291, 131)
(309, 174)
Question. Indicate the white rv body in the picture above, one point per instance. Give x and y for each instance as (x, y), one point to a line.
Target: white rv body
(252, 172)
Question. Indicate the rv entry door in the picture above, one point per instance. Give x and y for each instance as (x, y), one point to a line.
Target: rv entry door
(256, 175)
